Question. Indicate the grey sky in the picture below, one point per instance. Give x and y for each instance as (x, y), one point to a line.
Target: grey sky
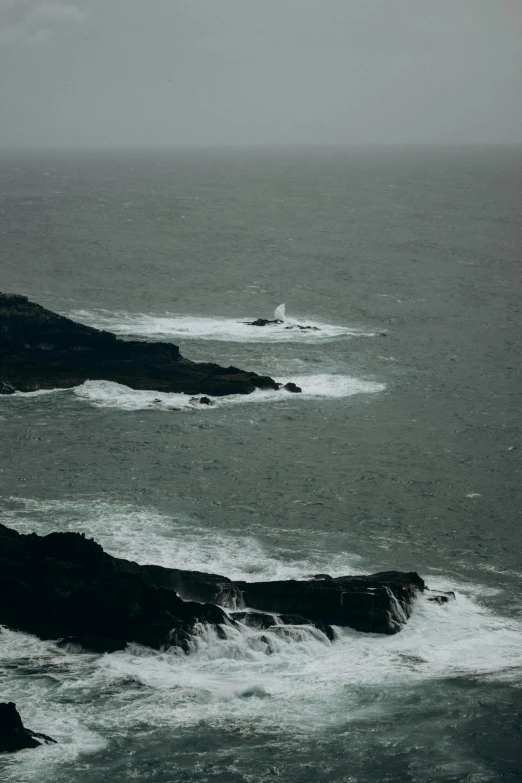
(213, 72)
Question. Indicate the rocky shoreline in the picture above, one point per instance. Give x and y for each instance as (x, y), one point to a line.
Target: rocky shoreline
(64, 587)
(40, 349)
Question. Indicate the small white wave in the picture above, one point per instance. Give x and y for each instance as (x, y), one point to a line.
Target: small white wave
(37, 393)
(168, 326)
(106, 394)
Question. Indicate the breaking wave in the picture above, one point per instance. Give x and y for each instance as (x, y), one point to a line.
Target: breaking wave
(105, 394)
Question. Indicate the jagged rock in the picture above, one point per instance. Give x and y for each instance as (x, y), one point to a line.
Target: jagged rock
(13, 734)
(263, 322)
(63, 586)
(292, 387)
(380, 603)
(42, 350)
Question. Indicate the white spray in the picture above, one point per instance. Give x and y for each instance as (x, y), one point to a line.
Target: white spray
(279, 313)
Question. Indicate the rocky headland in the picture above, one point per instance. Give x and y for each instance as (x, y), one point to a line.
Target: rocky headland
(40, 349)
(64, 587)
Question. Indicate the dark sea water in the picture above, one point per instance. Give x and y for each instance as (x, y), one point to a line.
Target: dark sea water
(402, 452)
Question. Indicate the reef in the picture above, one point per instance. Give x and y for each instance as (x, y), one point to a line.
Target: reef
(13, 734)
(276, 321)
(64, 587)
(40, 349)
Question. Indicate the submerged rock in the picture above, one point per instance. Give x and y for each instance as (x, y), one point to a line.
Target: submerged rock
(13, 734)
(42, 350)
(441, 597)
(63, 586)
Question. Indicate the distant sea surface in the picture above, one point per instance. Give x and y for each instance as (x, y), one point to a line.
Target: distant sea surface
(402, 452)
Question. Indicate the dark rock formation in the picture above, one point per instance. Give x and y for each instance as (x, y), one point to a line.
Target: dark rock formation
(64, 586)
(13, 734)
(267, 322)
(263, 322)
(292, 387)
(380, 603)
(42, 350)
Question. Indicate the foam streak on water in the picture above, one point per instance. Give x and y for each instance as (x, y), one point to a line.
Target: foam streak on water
(168, 326)
(106, 394)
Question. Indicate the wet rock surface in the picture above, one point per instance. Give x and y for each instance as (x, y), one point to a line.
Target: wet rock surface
(13, 734)
(42, 350)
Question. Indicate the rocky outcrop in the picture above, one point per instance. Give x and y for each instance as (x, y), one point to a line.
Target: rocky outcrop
(379, 603)
(64, 586)
(263, 322)
(13, 734)
(276, 321)
(42, 350)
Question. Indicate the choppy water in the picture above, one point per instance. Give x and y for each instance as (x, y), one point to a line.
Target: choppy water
(402, 452)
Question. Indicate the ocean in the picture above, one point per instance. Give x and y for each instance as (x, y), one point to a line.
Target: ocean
(402, 452)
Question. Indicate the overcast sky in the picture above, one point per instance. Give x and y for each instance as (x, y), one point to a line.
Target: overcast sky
(261, 72)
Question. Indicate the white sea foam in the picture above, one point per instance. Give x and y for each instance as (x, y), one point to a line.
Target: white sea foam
(147, 536)
(274, 680)
(105, 394)
(168, 326)
(37, 393)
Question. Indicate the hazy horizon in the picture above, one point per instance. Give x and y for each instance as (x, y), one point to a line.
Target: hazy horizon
(220, 73)
(223, 147)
